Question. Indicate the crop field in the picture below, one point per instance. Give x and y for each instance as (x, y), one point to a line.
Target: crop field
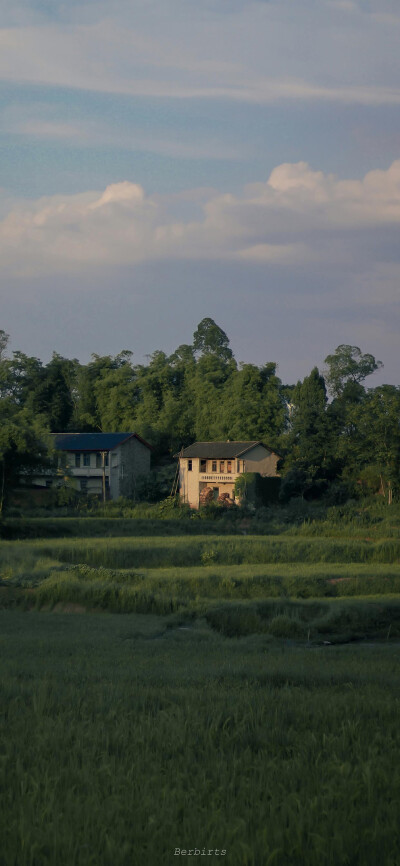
(246, 701)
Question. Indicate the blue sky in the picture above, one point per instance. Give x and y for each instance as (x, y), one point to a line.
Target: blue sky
(165, 160)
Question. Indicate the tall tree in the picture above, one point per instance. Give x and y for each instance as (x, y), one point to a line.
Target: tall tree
(210, 339)
(369, 443)
(309, 462)
(105, 377)
(347, 368)
(253, 405)
(24, 439)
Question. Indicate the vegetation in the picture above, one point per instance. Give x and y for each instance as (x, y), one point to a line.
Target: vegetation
(247, 699)
(333, 449)
(195, 573)
(122, 739)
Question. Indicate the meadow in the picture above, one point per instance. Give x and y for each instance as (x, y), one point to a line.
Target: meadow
(220, 691)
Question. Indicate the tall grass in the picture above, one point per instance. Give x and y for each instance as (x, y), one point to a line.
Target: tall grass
(121, 740)
(299, 518)
(47, 573)
(231, 550)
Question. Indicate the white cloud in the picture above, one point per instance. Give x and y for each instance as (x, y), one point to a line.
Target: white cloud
(43, 122)
(255, 52)
(298, 216)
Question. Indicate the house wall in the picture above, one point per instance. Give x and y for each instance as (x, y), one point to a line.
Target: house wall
(189, 482)
(128, 462)
(259, 459)
(192, 482)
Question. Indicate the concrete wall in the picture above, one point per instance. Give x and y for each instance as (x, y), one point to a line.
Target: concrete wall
(259, 459)
(128, 462)
(189, 482)
(192, 482)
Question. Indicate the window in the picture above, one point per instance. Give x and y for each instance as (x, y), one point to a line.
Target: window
(86, 459)
(122, 470)
(229, 466)
(99, 460)
(77, 460)
(214, 466)
(222, 465)
(189, 465)
(203, 465)
(84, 483)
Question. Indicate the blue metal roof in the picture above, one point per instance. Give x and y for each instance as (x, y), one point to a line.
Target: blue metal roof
(92, 441)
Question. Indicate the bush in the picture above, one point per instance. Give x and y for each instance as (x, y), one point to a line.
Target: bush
(235, 621)
(286, 627)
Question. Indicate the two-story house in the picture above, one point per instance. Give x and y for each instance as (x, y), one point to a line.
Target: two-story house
(215, 466)
(104, 464)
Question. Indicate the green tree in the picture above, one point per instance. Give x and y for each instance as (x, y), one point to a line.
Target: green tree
(254, 406)
(24, 435)
(347, 368)
(369, 443)
(105, 378)
(210, 339)
(309, 465)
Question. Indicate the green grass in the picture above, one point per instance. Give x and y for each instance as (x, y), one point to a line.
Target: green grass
(206, 550)
(125, 575)
(247, 700)
(122, 739)
(364, 519)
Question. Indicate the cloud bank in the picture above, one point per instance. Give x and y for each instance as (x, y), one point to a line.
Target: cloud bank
(297, 216)
(253, 52)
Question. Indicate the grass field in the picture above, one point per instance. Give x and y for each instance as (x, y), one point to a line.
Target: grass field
(246, 701)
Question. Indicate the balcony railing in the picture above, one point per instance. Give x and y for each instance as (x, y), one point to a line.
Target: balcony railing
(219, 476)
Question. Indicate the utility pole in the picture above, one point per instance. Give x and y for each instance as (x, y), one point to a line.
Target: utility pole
(103, 466)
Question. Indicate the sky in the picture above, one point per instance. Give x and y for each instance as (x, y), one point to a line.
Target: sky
(167, 160)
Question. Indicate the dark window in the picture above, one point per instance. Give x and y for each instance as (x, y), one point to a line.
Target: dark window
(222, 465)
(214, 466)
(189, 465)
(77, 460)
(203, 465)
(99, 460)
(215, 492)
(84, 483)
(229, 466)
(86, 459)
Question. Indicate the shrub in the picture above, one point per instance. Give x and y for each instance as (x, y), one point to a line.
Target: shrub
(235, 621)
(286, 627)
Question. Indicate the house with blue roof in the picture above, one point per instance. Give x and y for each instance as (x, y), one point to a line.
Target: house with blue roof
(107, 465)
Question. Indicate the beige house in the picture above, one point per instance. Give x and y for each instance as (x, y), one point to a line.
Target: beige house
(104, 464)
(214, 466)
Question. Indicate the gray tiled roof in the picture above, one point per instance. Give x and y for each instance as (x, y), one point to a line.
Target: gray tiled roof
(218, 450)
(92, 441)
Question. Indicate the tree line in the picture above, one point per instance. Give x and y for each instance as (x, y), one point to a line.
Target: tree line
(335, 435)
